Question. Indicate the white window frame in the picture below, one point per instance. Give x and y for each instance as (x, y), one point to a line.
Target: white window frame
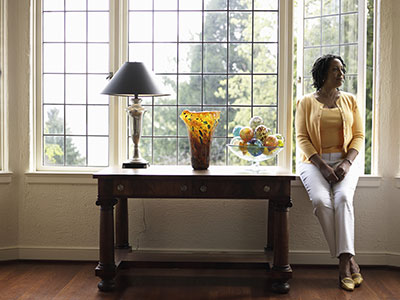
(361, 73)
(3, 91)
(118, 55)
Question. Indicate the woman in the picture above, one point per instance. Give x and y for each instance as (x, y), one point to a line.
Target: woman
(329, 133)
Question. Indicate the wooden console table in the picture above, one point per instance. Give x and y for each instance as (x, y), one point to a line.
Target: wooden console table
(116, 185)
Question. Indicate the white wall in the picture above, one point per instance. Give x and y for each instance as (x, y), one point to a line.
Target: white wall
(53, 220)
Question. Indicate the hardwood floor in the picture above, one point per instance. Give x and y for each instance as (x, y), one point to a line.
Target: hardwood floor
(32, 280)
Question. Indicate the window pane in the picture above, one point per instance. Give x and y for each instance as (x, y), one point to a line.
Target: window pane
(240, 4)
(214, 90)
(350, 56)
(330, 32)
(75, 151)
(98, 27)
(140, 4)
(141, 28)
(238, 116)
(53, 88)
(184, 151)
(190, 26)
(169, 86)
(262, 4)
(141, 52)
(268, 114)
(165, 26)
(350, 84)
(312, 32)
(349, 28)
(189, 89)
(75, 119)
(53, 5)
(265, 58)
(96, 84)
(266, 27)
(240, 58)
(75, 89)
(330, 7)
(98, 120)
(165, 119)
(165, 151)
(53, 151)
(53, 58)
(190, 58)
(53, 117)
(312, 8)
(75, 25)
(310, 55)
(240, 29)
(218, 151)
(98, 58)
(165, 4)
(190, 5)
(265, 89)
(98, 151)
(215, 26)
(215, 56)
(165, 58)
(75, 5)
(98, 5)
(75, 59)
(218, 5)
(239, 89)
(349, 5)
(53, 23)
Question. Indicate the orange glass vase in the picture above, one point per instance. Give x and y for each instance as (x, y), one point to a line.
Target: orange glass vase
(200, 127)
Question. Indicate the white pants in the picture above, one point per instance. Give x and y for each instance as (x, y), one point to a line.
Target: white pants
(333, 203)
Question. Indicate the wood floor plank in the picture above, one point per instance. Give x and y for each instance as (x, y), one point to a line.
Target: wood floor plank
(76, 281)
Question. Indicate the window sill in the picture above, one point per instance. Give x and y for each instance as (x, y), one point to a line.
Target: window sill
(5, 177)
(369, 181)
(60, 178)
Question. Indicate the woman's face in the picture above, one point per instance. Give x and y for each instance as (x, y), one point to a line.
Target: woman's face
(335, 75)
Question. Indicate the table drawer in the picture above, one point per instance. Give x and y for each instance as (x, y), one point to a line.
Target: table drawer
(166, 188)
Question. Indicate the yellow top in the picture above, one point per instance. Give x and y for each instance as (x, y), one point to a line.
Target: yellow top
(308, 122)
(331, 130)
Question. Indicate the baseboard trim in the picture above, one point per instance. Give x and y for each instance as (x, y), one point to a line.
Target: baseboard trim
(92, 254)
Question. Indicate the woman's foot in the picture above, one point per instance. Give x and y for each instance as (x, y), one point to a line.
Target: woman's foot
(355, 273)
(346, 281)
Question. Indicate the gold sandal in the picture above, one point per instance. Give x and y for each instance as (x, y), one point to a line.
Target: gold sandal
(347, 284)
(357, 278)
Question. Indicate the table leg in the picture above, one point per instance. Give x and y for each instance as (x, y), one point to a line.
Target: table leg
(106, 268)
(121, 224)
(270, 228)
(281, 271)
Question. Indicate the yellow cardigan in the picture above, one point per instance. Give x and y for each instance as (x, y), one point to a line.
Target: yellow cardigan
(308, 117)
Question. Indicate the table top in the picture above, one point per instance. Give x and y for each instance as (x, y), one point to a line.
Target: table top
(225, 171)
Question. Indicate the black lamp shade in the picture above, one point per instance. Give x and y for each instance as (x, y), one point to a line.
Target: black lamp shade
(133, 79)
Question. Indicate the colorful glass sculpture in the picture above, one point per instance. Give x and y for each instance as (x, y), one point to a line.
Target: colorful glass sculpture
(200, 127)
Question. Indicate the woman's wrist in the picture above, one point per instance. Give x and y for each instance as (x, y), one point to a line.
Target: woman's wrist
(348, 160)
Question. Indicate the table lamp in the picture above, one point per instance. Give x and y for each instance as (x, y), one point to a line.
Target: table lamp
(134, 80)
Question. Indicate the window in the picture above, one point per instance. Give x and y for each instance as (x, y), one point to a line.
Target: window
(339, 27)
(210, 55)
(234, 56)
(73, 116)
(2, 94)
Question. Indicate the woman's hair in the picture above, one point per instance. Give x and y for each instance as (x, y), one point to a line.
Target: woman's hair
(320, 69)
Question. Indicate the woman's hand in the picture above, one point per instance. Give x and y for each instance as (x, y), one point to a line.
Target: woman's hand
(326, 171)
(342, 169)
(329, 173)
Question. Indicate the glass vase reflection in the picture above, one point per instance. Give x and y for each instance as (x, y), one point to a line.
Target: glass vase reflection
(200, 127)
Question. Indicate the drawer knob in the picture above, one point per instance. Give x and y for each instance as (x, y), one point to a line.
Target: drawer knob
(183, 188)
(267, 188)
(203, 188)
(120, 187)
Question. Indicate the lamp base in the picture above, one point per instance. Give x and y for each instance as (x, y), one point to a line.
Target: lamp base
(135, 164)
